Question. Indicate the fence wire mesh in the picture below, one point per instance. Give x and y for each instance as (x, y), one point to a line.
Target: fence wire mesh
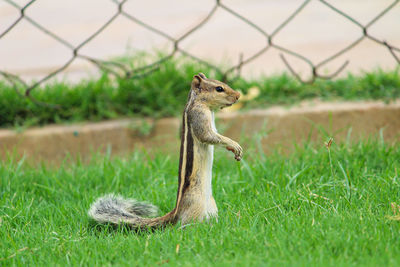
(124, 70)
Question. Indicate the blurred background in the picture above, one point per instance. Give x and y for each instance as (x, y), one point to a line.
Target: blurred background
(64, 62)
(39, 37)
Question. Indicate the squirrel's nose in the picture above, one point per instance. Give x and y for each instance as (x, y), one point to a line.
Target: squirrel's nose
(237, 96)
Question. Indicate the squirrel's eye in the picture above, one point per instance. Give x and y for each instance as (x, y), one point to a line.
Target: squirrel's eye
(219, 89)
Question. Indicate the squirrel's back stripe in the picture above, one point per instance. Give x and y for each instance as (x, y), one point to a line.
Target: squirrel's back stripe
(189, 157)
(186, 154)
(182, 161)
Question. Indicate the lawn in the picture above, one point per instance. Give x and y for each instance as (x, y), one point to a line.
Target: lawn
(312, 207)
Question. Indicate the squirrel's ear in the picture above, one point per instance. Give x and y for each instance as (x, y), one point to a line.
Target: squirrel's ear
(202, 75)
(197, 80)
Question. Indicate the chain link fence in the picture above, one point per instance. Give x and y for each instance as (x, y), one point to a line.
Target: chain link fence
(126, 71)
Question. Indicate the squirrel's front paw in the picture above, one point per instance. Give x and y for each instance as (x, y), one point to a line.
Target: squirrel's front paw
(237, 150)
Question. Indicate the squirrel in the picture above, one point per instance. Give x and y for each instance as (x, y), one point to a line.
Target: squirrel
(198, 136)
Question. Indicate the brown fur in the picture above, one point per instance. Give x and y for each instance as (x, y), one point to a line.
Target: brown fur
(194, 197)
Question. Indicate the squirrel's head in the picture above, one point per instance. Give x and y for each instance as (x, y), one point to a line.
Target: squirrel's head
(213, 93)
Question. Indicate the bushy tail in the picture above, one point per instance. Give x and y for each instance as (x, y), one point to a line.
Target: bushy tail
(115, 209)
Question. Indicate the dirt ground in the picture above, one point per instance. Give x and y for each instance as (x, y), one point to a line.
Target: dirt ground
(317, 33)
(276, 128)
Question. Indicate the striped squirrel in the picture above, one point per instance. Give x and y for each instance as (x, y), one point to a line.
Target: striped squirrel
(198, 136)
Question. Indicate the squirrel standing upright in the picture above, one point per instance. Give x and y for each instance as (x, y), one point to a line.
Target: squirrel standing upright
(198, 136)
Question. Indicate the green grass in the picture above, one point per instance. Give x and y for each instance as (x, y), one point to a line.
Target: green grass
(310, 208)
(164, 92)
